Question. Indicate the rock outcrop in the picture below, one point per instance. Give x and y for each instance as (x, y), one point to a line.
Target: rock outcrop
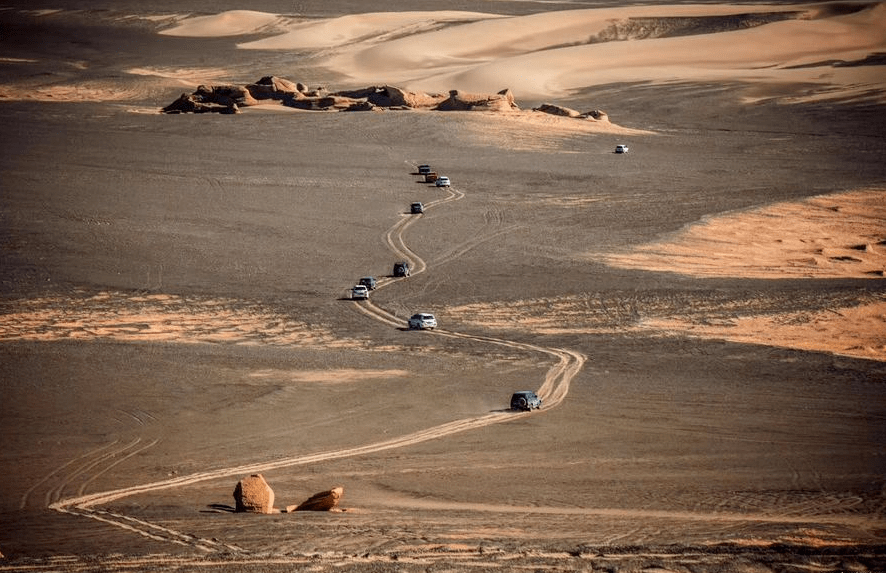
(323, 501)
(553, 109)
(272, 89)
(461, 101)
(254, 495)
(229, 98)
(212, 99)
(557, 110)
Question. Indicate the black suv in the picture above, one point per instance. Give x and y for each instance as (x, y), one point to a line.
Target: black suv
(368, 282)
(401, 269)
(416, 208)
(525, 400)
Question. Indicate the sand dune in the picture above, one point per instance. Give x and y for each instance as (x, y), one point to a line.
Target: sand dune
(231, 23)
(357, 29)
(572, 49)
(831, 236)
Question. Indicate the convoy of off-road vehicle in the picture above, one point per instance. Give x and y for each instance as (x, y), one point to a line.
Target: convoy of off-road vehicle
(524, 401)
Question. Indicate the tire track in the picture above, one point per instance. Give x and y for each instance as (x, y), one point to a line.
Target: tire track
(47, 477)
(553, 391)
(55, 493)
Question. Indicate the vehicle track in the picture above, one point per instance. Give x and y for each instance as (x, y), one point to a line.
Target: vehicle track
(553, 391)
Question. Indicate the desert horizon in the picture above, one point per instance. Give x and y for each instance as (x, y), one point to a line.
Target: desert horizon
(703, 316)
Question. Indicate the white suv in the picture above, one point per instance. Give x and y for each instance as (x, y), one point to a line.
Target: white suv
(359, 292)
(621, 148)
(423, 320)
(442, 182)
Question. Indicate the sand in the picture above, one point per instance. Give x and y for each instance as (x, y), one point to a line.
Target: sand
(703, 316)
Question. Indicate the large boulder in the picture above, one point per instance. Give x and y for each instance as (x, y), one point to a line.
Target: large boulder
(254, 495)
(272, 87)
(225, 95)
(323, 501)
(399, 97)
(596, 114)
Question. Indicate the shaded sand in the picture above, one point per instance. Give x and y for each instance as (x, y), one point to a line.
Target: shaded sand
(829, 236)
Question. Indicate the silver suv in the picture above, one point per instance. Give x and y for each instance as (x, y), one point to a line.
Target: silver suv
(422, 321)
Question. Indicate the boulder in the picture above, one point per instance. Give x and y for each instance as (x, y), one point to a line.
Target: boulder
(193, 104)
(557, 110)
(597, 114)
(361, 106)
(399, 97)
(254, 495)
(393, 97)
(272, 87)
(225, 95)
(323, 501)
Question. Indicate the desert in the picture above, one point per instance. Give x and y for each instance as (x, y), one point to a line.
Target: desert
(703, 316)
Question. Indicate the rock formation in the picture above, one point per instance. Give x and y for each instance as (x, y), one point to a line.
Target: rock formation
(553, 109)
(271, 89)
(556, 110)
(461, 101)
(323, 501)
(229, 98)
(254, 495)
(209, 99)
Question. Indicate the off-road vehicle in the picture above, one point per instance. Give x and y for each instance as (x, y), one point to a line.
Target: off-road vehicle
(525, 400)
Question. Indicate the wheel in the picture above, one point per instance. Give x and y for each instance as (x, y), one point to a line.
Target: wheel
(522, 404)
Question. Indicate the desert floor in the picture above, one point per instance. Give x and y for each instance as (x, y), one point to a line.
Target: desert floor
(704, 316)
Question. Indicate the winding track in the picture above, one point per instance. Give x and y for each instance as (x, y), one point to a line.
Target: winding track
(552, 391)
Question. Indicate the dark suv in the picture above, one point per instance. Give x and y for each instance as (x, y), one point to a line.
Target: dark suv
(416, 208)
(368, 282)
(525, 400)
(401, 269)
